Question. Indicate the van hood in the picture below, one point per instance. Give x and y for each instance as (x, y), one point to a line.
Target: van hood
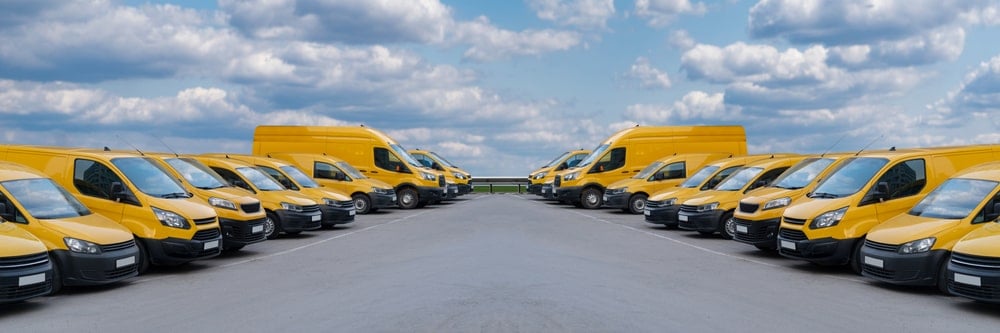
(18, 242)
(318, 194)
(905, 227)
(190, 208)
(981, 242)
(625, 183)
(710, 196)
(94, 228)
(765, 194)
(808, 208)
(681, 193)
(377, 183)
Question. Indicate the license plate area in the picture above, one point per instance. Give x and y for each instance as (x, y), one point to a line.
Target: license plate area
(124, 262)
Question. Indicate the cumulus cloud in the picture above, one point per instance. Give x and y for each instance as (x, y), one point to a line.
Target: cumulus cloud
(681, 40)
(490, 43)
(579, 13)
(694, 105)
(659, 13)
(976, 100)
(648, 76)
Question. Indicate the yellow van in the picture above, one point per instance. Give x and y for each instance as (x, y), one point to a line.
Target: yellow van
(452, 173)
(240, 215)
(285, 210)
(662, 207)
(914, 248)
(171, 227)
(86, 248)
(25, 269)
(711, 211)
(828, 227)
(369, 194)
(547, 173)
(625, 153)
(630, 194)
(759, 213)
(375, 154)
(974, 268)
(335, 207)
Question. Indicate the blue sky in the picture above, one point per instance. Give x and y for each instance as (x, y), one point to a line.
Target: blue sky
(500, 87)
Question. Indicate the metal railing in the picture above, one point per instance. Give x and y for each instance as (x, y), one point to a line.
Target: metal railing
(499, 184)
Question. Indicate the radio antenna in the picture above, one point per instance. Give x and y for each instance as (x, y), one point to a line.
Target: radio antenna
(168, 146)
(833, 145)
(869, 144)
(130, 144)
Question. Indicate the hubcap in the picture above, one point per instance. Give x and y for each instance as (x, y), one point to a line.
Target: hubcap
(730, 226)
(407, 198)
(360, 205)
(268, 226)
(592, 199)
(639, 205)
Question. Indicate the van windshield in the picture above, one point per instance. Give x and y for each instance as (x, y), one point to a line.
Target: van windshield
(849, 177)
(199, 175)
(43, 199)
(299, 176)
(739, 179)
(259, 180)
(649, 170)
(556, 160)
(442, 160)
(405, 156)
(149, 177)
(802, 173)
(954, 199)
(350, 170)
(699, 176)
(593, 156)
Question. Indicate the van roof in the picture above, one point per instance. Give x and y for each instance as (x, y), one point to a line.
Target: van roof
(649, 131)
(915, 152)
(314, 156)
(288, 130)
(79, 151)
(13, 171)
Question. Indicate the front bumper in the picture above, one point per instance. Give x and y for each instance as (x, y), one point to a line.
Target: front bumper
(174, 251)
(430, 194)
(616, 200)
(380, 200)
(569, 194)
(535, 189)
(763, 233)
(976, 278)
(342, 213)
(548, 191)
(299, 221)
(918, 269)
(241, 233)
(25, 277)
(824, 251)
(703, 221)
(665, 215)
(451, 191)
(82, 269)
(464, 189)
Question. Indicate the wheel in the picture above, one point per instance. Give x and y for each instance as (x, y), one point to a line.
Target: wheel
(728, 227)
(856, 256)
(272, 226)
(143, 260)
(362, 204)
(637, 203)
(56, 276)
(407, 198)
(591, 198)
(942, 276)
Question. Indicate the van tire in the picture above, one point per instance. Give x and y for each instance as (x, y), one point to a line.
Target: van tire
(591, 198)
(727, 226)
(942, 276)
(143, 261)
(272, 224)
(362, 204)
(407, 198)
(856, 256)
(56, 276)
(637, 203)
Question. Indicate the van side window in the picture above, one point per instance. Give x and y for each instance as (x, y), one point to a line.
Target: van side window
(710, 184)
(385, 160)
(990, 211)
(280, 177)
(324, 171)
(766, 178)
(611, 161)
(9, 212)
(573, 160)
(426, 161)
(904, 179)
(94, 179)
(232, 178)
(676, 170)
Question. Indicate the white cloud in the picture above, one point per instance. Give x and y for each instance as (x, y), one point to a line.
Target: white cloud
(659, 13)
(976, 100)
(694, 105)
(648, 76)
(489, 43)
(580, 13)
(681, 40)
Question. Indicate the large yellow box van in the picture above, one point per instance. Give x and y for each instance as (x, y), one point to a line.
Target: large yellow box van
(240, 214)
(25, 269)
(711, 211)
(547, 173)
(829, 226)
(285, 210)
(452, 174)
(759, 213)
(369, 194)
(974, 268)
(625, 153)
(914, 248)
(630, 194)
(662, 207)
(335, 207)
(375, 154)
(171, 227)
(86, 248)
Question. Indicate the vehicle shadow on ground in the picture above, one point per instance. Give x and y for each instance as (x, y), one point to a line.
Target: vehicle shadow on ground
(16, 308)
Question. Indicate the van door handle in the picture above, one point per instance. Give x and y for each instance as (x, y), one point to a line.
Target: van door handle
(373, 171)
(625, 171)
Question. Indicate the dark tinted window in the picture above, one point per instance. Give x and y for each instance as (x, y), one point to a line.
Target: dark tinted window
(94, 179)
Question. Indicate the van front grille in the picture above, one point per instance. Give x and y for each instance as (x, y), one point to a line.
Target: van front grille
(794, 235)
(975, 261)
(881, 246)
(207, 234)
(205, 221)
(119, 246)
(24, 261)
(250, 207)
(793, 221)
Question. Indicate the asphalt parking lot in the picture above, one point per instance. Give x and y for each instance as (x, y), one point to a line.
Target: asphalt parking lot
(499, 263)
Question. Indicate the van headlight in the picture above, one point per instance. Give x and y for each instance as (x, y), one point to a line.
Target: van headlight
(670, 202)
(777, 203)
(291, 207)
(571, 175)
(329, 202)
(828, 219)
(540, 175)
(81, 246)
(171, 219)
(708, 207)
(428, 176)
(458, 175)
(221, 203)
(917, 246)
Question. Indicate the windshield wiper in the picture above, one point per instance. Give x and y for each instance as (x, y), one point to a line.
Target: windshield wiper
(175, 195)
(822, 195)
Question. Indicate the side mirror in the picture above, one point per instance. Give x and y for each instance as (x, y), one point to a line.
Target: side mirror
(760, 183)
(239, 183)
(562, 166)
(339, 176)
(993, 215)
(117, 191)
(3, 211)
(882, 191)
(659, 176)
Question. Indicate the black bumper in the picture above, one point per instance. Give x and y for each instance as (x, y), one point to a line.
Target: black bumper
(81, 269)
(242, 233)
(617, 200)
(823, 251)
(299, 221)
(919, 269)
(464, 189)
(21, 283)
(985, 287)
(175, 251)
(382, 200)
(762, 233)
(703, 221)
(430, 194)
(569, 194)
(548, 191)
(663, 215)
(341, 214)
(535, 189)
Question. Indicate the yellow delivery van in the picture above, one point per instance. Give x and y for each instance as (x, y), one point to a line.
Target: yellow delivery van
(335, 207)
(974, 268)
(662, 207)
(25, 269)
(546, 175)
(829, 226)
(286, 211)
(240, 215)
(170, 226)
(374, 153)
(759, 213)
(711, 211)
(625, 153)
(914, 248)
(630, 194)
(86, 248)
(452, 173)
(369, 194)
